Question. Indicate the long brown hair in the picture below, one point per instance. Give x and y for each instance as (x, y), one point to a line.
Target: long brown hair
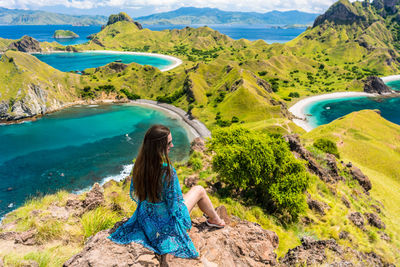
(148, 170)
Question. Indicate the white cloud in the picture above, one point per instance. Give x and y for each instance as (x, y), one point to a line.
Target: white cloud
(316, 6)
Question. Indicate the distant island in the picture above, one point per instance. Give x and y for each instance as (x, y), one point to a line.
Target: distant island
(37, 17)
(193, 15)
(65, 34)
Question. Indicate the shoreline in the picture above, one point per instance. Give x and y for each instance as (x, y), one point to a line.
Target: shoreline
(175, 61)
(298, 109)
(390, 78)
(193, 127)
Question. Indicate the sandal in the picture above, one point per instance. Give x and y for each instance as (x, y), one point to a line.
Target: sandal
(219, 226)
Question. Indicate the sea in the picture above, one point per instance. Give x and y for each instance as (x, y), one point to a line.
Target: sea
(44, 33)
(76, 147)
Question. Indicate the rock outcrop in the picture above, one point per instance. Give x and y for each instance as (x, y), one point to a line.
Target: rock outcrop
(26, 44)
(362, 179)
(357, 219)
(374, 220)
(315, 253)
(375, 85)
(241, 243)
(301, 152)
(342, 12)
(122, 16)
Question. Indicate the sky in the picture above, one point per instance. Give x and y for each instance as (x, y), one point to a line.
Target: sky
(138, 8)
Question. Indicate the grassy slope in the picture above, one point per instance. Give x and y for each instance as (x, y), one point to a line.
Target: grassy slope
(373, 144)
(19, 70)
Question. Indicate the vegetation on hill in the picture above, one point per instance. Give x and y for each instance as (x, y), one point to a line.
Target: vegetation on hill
(224, 82)
(65, 34)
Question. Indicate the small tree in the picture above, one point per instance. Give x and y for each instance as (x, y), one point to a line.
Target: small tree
(262, 167)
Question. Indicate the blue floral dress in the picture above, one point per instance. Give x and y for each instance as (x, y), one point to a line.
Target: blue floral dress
(162, 226)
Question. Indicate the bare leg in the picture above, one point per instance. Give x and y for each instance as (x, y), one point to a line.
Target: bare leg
(197, 195)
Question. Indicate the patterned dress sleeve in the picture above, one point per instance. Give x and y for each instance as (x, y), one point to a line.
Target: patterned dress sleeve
(175, 202)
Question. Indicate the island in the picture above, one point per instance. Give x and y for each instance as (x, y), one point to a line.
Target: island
(65, 34)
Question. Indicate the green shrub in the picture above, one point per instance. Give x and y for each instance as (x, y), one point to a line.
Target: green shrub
(235, 119)
(195, 161)
(263, 168)
(327, 146)
(294, 94)
(262, 73)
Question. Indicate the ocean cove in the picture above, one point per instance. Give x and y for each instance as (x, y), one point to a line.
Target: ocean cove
(74, 148)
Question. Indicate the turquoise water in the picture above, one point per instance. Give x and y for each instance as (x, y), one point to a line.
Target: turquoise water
(395, 85)
(74, 148)
(325, 111)
(83, 60)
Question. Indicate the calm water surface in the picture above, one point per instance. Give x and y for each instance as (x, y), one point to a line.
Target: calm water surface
(74, 148)
(268, 33)
(83, 60)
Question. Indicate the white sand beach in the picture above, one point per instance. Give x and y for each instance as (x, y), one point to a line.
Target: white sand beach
(298, 108)
(176, 61)
(390, 78)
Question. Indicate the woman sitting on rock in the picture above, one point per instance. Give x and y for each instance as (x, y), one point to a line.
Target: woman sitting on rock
(161, 220)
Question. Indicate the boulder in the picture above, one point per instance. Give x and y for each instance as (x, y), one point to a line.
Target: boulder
(374, 220)
(241, 243)
(344, 235)
(361, 178)
(26, 44)
(26, 238)
(357, 219)
(191, 180)
(94, 198)
(317, 206)
(374, 85)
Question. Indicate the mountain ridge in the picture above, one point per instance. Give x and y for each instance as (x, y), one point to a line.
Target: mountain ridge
(193, 15)
(38, 17)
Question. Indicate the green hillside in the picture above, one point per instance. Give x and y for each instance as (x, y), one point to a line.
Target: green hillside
(371, 143)
(26, 81)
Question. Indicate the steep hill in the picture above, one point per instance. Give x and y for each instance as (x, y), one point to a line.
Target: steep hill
(193, 15)
(30, 87)
(33, 17)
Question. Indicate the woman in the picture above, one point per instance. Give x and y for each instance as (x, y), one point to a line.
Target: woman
(162, 219)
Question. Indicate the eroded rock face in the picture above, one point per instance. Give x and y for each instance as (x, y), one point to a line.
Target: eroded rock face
(361, 178)
(303, 153)
(241, 244)
(26, 44)
(375, 84)
(122, 16)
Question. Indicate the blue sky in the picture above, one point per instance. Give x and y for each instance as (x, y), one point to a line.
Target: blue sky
(144, 7)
